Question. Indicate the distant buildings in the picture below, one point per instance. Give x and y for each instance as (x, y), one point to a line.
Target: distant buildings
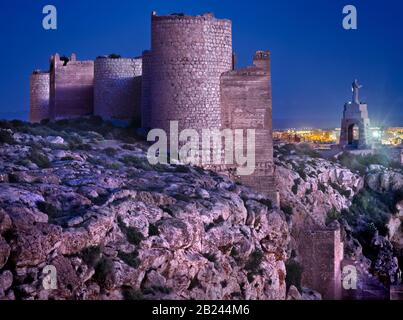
(306, 135)
(379, 136)
(391, 136)
(355, 131)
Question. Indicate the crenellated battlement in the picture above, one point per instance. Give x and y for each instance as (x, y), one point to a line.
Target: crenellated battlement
(181, 17)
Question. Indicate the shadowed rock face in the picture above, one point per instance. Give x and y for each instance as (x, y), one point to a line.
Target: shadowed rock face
(115, 227)
(313, 186)
(315, 191)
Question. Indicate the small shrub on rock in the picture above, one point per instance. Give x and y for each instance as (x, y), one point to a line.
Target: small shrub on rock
(294, 274)
(37, 157)
(92, 256)
(359, 163)
(7, 137)
(254, 262)
(287, 209)
(132, 294)
(153, 230)
(110, 152)
(142, 163)
(267, 203)
(294, 189)
(132, 234)
(48, 209)
(103, 270)
(210, 257)
(322, 187)
(131, 259)
(332, 215)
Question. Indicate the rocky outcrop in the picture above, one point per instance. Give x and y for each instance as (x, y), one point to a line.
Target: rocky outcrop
(114, 227)
(311, 187)
(382, 179)
(389, 182)
(386, 265)
(4, 252)
(315, 191)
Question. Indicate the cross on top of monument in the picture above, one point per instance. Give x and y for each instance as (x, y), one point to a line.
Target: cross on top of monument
(356, 88)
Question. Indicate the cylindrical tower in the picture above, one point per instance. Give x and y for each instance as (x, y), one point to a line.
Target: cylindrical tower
(117, 88)
(188, 55)
(39, 96)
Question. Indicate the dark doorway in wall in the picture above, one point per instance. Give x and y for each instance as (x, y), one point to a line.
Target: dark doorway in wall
(353, 135)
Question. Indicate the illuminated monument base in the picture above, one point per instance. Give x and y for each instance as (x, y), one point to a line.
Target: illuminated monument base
(355, 125)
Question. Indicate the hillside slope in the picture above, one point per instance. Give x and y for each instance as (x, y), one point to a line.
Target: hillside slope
(116, 227)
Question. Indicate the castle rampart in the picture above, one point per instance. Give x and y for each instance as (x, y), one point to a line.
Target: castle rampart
(188, 56)
(71, 87)
(145, 91)
(117, 88)
(322, 254)
(39, 96)
(246, 103)
(188, 76)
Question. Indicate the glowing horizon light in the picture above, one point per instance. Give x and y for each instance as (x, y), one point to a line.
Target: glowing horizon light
(376, 134)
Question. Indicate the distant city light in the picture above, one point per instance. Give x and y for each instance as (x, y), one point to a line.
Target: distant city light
(322, 137)
(376, 134)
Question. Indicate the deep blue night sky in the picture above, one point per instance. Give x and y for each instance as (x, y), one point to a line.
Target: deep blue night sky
(314, 60)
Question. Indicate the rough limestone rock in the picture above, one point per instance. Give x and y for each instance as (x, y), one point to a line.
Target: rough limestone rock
(314, 191)
(293, 294)
(34, 244)
(5, 222)
(55, 140)
(384, 180)
(386, 265)
(115, 227)
(308, 294)
(6, 280)
(311, 187)
(4, 252)
(388, 181)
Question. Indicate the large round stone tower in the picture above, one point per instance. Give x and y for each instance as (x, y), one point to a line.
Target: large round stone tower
(39, 96)
(182, 71)
(117, 88)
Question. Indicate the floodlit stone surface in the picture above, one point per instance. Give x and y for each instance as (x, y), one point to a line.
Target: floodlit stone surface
(116, 227)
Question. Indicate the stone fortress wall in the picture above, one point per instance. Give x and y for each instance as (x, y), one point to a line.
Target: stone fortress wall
(39, 96)
(188, 76)
(71, 88)
(188, 55)
(117, 88)
(322, 254)
(246, 103)
(145, 90)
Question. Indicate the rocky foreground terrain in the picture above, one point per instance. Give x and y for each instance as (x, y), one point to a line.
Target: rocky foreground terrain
(81, 196)
(117, 228)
